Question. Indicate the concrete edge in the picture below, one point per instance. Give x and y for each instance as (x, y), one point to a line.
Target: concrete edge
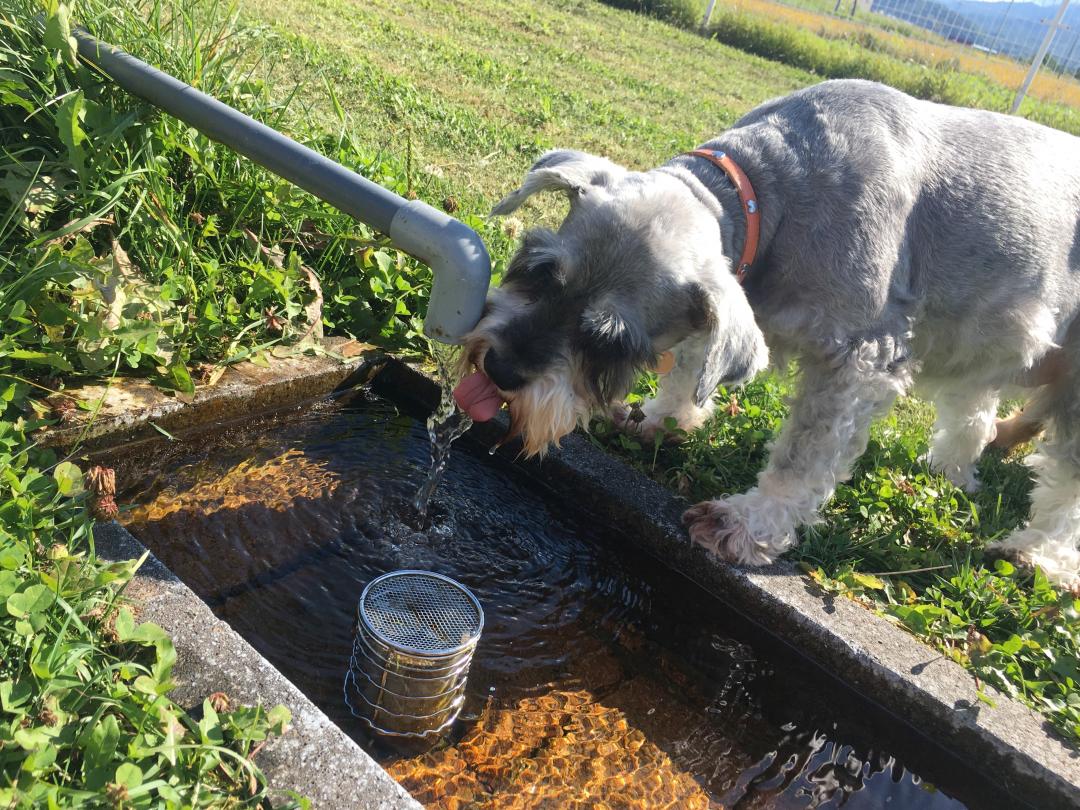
(131, 407)
(314, 757)
(1009, 744)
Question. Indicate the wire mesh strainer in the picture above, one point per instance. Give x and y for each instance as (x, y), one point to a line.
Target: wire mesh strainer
(421, 613)
(415, 635)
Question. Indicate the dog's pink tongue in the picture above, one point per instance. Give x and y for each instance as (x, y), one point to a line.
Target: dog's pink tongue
(478, 397)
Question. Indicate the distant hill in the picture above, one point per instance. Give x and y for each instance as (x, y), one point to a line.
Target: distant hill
(1015, 29)
(932, 15)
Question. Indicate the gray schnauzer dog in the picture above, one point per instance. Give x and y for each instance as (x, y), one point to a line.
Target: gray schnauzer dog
(903, 244)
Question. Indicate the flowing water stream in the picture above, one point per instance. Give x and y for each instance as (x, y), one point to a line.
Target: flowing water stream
(445, 425)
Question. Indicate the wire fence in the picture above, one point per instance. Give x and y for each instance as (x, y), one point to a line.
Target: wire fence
(1013, 29)
(1008, 40)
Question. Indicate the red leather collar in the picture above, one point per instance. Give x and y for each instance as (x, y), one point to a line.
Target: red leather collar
(749, 203)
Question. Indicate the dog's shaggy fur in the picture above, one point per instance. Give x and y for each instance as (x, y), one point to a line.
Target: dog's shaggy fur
(902, 242)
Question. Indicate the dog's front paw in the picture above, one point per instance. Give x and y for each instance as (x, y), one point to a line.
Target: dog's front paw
(667, 427)
(632, 419)
(737, 531)
(623, 416)
(657, 417)
(962, 476)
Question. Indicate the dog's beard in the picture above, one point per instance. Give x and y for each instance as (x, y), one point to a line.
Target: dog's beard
(545, 410)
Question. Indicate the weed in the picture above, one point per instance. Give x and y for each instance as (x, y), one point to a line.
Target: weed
(83, 687)
(104, 269)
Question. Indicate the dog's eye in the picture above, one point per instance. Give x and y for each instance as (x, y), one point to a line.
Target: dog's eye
(545, 272)
(548, 268)
(539, 279)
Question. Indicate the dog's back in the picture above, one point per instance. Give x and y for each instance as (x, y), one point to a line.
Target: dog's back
(940, 214)
(899, 239)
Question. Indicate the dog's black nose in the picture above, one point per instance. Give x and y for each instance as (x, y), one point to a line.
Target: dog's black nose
(501, 372)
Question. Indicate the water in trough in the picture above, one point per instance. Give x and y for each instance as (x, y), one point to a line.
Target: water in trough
(601, 678)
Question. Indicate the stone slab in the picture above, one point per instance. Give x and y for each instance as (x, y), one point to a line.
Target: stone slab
(131, 407)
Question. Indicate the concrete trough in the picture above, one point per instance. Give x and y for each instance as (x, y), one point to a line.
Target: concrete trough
(1007, 745)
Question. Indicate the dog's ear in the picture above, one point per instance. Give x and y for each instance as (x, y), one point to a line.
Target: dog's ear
(735, 348)
(561, 170)
(614, 345)
(538, 266)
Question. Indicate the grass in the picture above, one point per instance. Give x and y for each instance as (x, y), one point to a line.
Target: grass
(129, 244)
(477, 95)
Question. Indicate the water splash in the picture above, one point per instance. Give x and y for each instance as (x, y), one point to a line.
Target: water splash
(446, 423)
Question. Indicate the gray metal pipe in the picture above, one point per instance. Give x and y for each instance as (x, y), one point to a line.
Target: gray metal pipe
(455, 253)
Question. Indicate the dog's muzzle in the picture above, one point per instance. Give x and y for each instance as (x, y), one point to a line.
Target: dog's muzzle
(501, 372)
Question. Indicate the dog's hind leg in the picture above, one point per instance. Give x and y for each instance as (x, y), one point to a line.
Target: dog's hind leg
(826, 431)
(964, 426)
(1023, 425)
(1052, 536)
(1015, 429)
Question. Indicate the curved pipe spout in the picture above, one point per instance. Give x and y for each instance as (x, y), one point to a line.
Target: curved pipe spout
(454, 252)
(460, 267)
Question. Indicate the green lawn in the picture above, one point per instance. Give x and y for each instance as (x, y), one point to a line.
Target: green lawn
(479, 89)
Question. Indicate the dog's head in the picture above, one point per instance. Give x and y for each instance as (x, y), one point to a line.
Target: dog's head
(636, 267)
